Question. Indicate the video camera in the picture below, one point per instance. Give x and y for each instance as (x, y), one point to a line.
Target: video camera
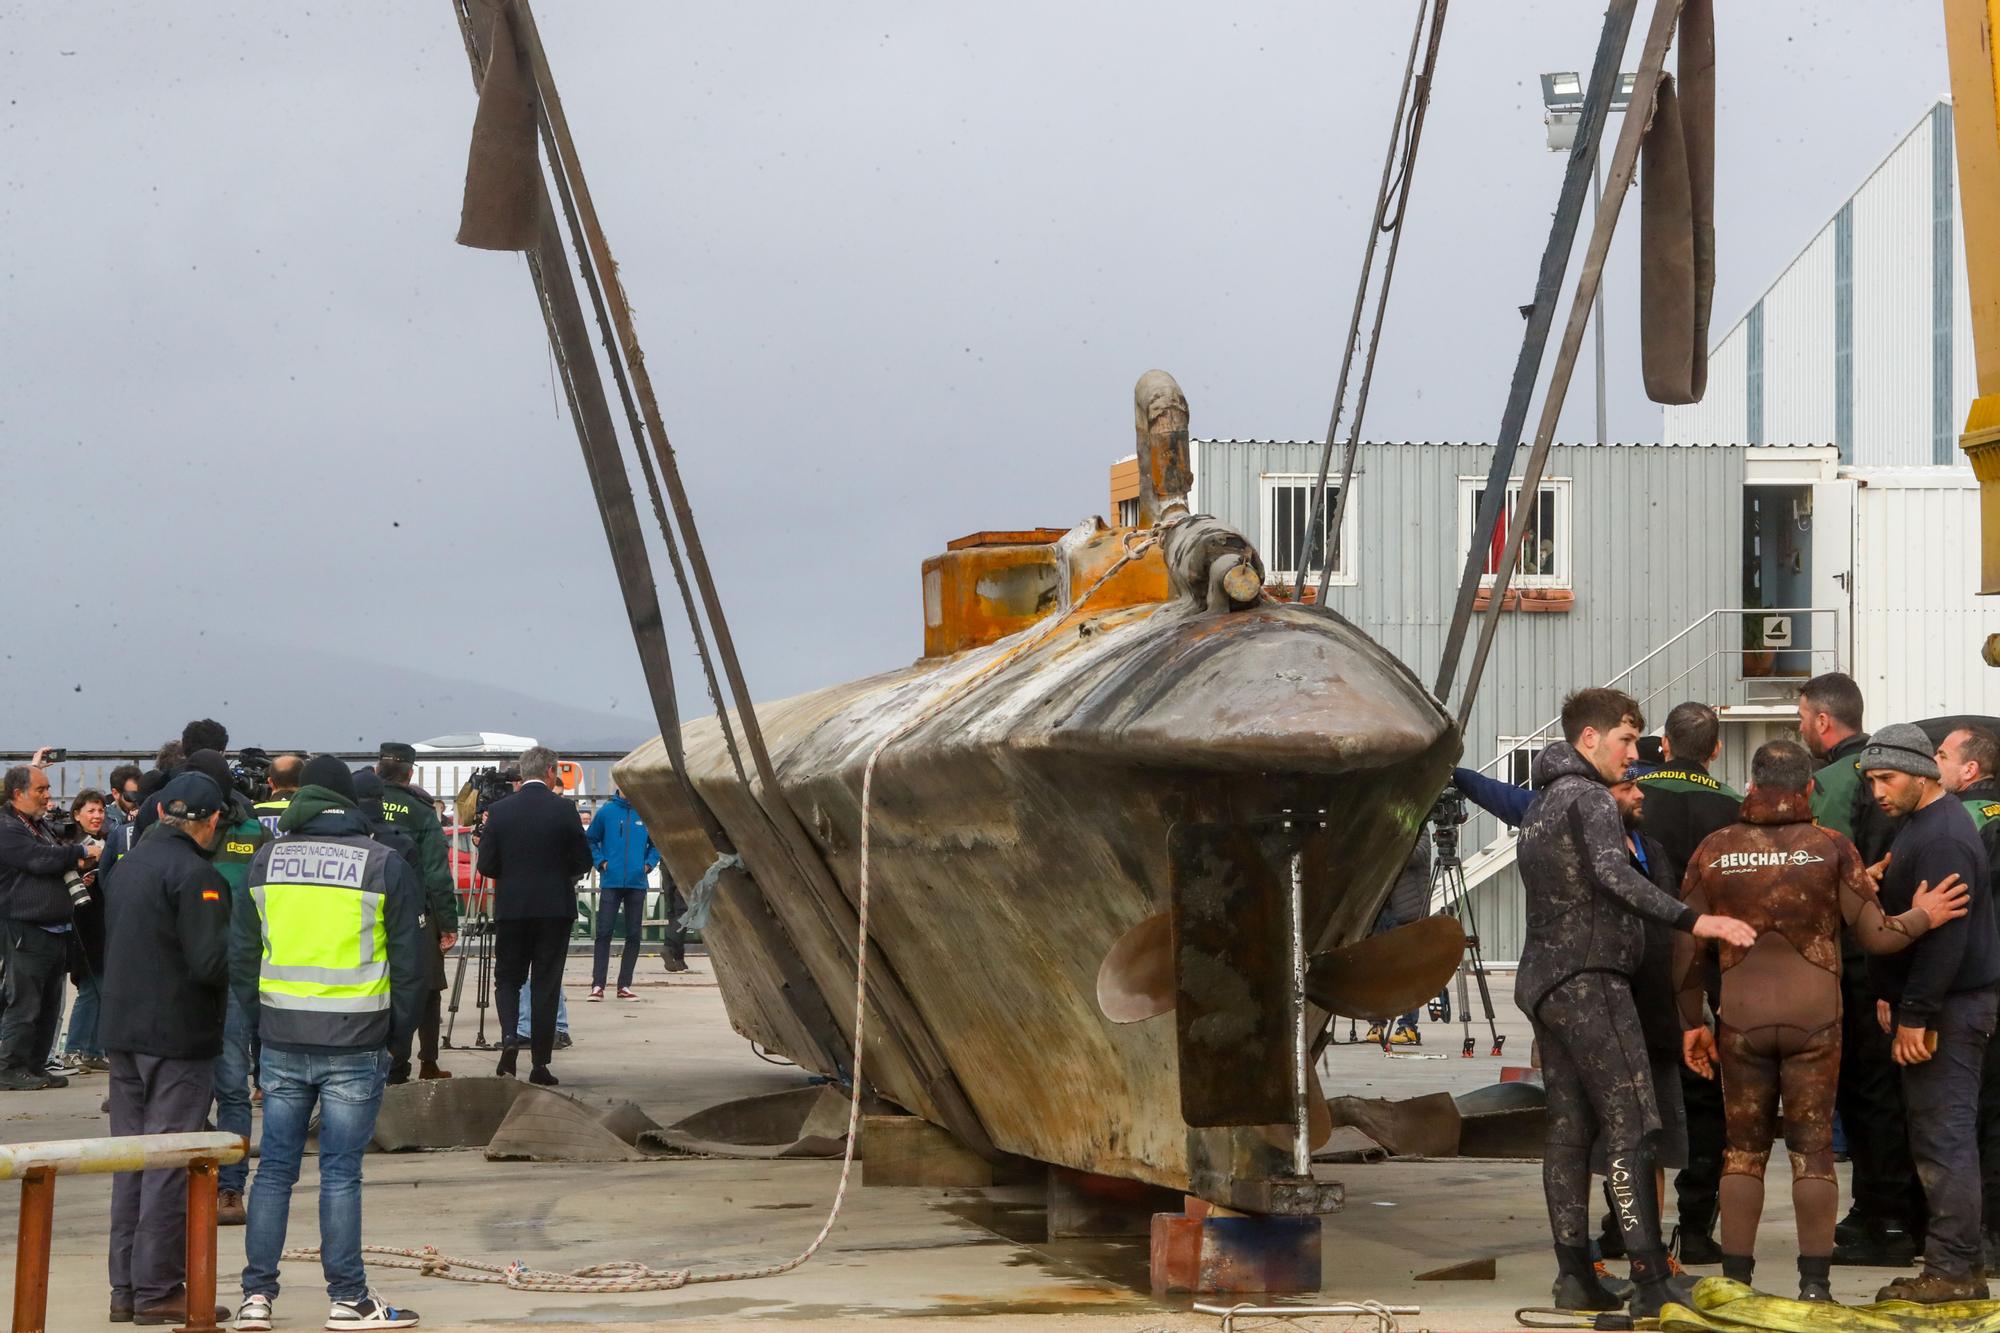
(484, 787)
(1447, 813)
(250, 772)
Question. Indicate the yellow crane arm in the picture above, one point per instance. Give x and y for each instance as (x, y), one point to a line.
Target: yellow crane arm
(1975, 92)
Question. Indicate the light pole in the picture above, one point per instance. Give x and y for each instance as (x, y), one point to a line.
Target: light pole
(1562, 98)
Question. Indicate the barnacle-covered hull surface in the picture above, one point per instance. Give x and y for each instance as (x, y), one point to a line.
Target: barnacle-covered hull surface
(1157, 747)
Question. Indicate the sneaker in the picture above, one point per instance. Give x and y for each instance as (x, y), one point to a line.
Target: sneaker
(1407, 1037)
(229, 1209)
(54, 1080)
(677, 965)
(1934, 1288)
(1374, 1037)
(596, 994)
(541, 1076)
(563, 1041)
(56, 1067)
(627, 993)
(255, 1314)
(22, 1080)
(371, 1311)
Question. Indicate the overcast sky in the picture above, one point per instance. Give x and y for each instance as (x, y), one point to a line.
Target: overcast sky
(896, 268)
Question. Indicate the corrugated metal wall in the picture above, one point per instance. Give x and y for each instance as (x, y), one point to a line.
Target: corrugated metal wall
(1864, 339)
(1655, 544)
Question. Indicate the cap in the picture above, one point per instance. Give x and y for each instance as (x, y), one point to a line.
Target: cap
(399, 750)
(190, 795)
(1901, 747)
(324, 770)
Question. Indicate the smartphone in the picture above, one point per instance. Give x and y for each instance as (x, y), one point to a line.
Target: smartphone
(56, 755)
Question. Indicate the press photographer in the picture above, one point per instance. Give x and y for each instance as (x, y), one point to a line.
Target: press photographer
(41, 882)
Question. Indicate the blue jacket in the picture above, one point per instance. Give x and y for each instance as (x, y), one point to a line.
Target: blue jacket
(620, 846)
(1503, 800)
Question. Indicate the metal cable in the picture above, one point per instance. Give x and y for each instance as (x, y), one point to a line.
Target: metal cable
(1317, 509)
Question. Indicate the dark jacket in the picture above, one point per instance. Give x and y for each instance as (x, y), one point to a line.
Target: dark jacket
(319, 814)
(410, 810)
(533, 848)
(1653, 987)
(1842, 802)
(1982, 801)
(1961, 955)
(32, 864)
(1586, 904)
(166, 951)
(624, 851)
(1683, 806)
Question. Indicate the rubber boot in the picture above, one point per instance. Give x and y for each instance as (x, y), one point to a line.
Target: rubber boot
(1740, 1268)
(1694, 1239)
(1656, 1285)
(1577, 1286)
(1815, 1278)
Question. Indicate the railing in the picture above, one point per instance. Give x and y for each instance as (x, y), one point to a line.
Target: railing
(36, 1166)
(1549, 730)
(434, 768)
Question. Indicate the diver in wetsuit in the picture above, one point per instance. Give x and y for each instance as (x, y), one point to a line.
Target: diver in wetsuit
(1587, 909)
(1796, 883)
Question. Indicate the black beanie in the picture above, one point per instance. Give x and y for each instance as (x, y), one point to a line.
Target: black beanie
(324, 770)
(213, 764)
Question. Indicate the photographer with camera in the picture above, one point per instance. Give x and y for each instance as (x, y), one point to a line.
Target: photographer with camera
(86, 827)
(41, 881)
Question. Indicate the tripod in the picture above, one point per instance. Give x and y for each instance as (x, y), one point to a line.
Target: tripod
(1448, 889)
(480, 936)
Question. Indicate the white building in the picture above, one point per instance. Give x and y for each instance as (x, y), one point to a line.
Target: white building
(1864, 341)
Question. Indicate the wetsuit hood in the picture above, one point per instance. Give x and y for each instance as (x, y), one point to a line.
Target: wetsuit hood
(1562, 760)
(1777, 807)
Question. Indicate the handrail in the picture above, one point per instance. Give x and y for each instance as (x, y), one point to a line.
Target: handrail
(123, 1152)
(37, 1165)
(1547, 728)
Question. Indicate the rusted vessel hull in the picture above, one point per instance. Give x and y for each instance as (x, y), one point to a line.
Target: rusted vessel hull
(1038, 816)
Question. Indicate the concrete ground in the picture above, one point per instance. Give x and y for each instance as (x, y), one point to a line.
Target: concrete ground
(921, 1255)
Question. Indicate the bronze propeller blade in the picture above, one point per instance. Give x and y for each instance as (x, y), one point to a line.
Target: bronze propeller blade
(1387, 974)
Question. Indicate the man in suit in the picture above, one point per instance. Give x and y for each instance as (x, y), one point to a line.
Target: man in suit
(534, 849)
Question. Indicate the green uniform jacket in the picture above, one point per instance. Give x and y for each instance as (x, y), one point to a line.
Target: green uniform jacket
(243, 833)
(1842, 802)
(415, 817)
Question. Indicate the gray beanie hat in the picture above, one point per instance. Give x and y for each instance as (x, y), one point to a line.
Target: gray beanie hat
(1903, 748)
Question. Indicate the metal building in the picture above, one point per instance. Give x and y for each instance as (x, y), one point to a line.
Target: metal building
(1865, 340)
(1723, 574)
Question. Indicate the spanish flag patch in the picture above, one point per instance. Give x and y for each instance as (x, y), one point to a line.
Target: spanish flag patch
(211, 895)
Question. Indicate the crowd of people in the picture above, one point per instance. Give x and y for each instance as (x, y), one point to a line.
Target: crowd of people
(278, 937)
(1705, 971)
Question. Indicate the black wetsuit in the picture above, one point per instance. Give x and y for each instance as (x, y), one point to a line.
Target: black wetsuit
(1587, 911)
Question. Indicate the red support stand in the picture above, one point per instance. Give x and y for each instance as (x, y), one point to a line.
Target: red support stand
(1203, 1250)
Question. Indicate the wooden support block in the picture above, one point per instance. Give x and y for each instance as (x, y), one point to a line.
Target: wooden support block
(1234, 1255)
(908, 1150)
(1083, 1205)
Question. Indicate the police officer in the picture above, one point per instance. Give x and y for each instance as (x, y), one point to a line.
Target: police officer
(409, 809)
(1684, 804)
(330, 998)
(1884, 1226)
(1968, 760)
(284, 779)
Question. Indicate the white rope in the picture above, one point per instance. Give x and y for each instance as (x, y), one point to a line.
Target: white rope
(630, 1276)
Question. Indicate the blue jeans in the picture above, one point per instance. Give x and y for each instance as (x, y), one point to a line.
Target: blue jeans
(81, 1039)
(232, 1086)
(562, 1014)
(610, 902)
(348, 1088)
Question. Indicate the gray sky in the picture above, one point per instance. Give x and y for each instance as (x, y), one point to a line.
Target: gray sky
(896, 268)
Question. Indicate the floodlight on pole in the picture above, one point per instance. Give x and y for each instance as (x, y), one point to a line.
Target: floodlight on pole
(1562, 103)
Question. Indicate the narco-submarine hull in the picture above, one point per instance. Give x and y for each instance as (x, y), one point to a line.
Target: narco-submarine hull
(1132, 817)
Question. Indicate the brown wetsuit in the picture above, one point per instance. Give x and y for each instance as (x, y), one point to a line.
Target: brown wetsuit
(1779, 1029)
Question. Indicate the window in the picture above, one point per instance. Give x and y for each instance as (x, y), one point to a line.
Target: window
(1543, 561)
(1287, 509)
(1128, 513)
(1517, 758)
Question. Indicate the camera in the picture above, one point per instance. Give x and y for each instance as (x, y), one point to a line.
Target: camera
(250, 772)
(1449, 808)
(488, 785)
(62, 824)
